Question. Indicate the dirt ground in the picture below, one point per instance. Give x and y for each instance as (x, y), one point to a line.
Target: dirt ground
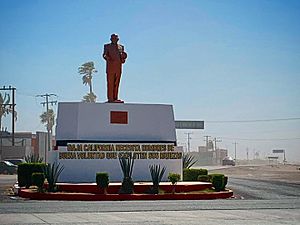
(285, 173)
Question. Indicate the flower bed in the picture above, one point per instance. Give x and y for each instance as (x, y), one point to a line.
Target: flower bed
(90, 192)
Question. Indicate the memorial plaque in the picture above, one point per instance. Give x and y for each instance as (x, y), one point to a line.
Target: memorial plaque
(119, 117)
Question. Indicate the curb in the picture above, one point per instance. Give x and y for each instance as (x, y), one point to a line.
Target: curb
(25, 193)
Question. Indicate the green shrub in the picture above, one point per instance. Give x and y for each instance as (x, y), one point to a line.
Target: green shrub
(127, 169)
(156, 175)
(102, 180)
(203, 178)
(174, 178)
(217, 181)
(38, 180)
(52, 172)
(25, 171)
(127, 186)
(192, 174)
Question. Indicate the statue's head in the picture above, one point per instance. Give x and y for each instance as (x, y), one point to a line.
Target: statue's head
(114, 38)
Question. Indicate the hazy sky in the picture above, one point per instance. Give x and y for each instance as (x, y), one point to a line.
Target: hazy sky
(212, 60)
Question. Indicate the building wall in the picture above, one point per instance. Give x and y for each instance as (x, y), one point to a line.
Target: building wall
(208, 157)
(22, 147)
(42, 144)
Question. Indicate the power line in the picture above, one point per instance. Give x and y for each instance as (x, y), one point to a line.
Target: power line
(256, 139)
(253, 121)
(261, 139)
(47, 101)
(216, 139)
(26, 94)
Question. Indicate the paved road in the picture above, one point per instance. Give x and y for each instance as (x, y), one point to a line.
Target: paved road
(264, 203)
(258, 189)
(153, 212)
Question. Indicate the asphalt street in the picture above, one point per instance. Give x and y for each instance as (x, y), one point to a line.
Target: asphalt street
(263, 189)
(258, 202)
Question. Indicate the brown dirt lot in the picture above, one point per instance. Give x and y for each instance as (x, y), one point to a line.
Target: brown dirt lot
(285, 173)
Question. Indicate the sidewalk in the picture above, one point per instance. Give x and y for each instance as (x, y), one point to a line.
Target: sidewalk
(207, 217)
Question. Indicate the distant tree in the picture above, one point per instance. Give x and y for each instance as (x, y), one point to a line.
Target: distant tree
(48, 118)
(89, 97)
(87, 70)
(4, 108)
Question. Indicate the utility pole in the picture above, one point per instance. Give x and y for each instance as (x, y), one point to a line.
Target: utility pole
(188, 140)
(235, 143)
(216, 140)
(206, 141)
(47, 102)
(12, 105)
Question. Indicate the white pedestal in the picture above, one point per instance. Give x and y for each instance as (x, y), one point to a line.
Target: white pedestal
(92, 122)
(84, 130)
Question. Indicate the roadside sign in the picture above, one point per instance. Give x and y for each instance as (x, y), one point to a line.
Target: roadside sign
(183, 124)
(278, 151)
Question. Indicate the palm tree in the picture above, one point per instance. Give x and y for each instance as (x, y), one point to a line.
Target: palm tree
(87, 70)
(48, 118)
(89, 97)
(5, 108)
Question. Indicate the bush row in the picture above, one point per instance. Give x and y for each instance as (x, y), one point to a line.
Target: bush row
(193, 174)
(219, 181)
(25, 171)
(36, 173)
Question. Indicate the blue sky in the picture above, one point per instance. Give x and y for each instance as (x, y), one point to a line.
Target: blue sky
(212, 60)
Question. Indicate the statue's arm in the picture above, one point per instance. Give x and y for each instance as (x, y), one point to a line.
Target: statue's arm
(123, 55)
(105, 53)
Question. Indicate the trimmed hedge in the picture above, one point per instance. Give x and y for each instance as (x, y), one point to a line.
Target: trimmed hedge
(192, 174)
(219, 181)
(174, 178)
(102, 179)
(38, 180)
(25, 171)
(203, 178)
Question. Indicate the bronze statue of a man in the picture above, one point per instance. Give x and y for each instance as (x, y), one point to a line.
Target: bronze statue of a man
(115, 56)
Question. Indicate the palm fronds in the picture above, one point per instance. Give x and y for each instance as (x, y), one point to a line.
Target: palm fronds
(188, 161)
(127, 169)
(48, 118)
(87, 69)
(157, 174)
(89, 97)
(5, 108)
(33, 158)
(52, 172)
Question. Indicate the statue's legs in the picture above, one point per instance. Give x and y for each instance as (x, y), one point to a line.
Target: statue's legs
(116, 85)
(113, 81)
(110, 86)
